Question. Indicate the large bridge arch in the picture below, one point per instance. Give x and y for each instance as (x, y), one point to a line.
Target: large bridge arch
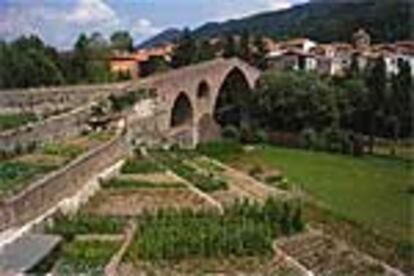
(232, 97)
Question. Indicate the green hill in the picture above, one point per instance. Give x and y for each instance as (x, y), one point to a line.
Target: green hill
(321, 20)
(326, 21)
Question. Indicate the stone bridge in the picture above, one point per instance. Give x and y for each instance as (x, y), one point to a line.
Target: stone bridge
(192, 96)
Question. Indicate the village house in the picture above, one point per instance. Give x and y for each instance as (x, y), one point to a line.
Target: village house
(335, 59)
(130, 64)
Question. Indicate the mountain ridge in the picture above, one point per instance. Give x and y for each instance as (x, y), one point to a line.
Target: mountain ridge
(323, 21)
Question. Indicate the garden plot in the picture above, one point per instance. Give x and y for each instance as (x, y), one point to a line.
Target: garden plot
(89, 242)
(239, 185)
(239, 240)
(143, 185)
(130, 202)
(83, 257)
(326, 256)
(204, 174)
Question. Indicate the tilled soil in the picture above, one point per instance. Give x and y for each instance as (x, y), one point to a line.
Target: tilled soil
(134, 202)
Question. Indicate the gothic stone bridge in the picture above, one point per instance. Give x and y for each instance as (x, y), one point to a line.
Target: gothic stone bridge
(192, 96)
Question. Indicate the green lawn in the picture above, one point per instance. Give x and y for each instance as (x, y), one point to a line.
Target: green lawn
(373, 191)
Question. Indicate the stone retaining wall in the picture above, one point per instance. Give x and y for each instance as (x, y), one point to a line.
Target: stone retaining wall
(52, 129)
(50, 190)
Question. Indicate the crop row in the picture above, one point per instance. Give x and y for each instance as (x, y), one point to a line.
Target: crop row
(175, 160)
(245, 229)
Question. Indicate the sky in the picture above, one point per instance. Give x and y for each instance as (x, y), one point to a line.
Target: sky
(59, 22)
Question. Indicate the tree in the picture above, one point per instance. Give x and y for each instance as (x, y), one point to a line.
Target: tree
(230, 47)
(205, 51)
(154, 65)
(294, 101)
(354, 70)
(402, 99)
(245, 52)
(259, 58)
(89, 61)
(185, 52)
(27, 62)
(376, 82)
(122, 40)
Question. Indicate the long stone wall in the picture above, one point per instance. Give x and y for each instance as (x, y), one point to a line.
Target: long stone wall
(50, 190)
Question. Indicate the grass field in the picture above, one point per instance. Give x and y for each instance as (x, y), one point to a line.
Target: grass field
(375, 192)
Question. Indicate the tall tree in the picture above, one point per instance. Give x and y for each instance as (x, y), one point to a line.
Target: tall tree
(376, 81)
(401, 100)
(245, 51)
(122, 40)
(185, 52)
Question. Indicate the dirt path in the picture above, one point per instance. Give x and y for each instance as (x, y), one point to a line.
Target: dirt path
(112, 267)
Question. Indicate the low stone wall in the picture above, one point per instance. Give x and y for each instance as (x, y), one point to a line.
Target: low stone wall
(60, 126)
(50, 190)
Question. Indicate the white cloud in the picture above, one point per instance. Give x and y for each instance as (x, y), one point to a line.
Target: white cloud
(88, 12)
(278, 4)
(58, 24)
(144, 27)
(234, 9)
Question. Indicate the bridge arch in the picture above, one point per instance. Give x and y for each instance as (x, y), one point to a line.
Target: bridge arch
(203, 90)
(232, 98)
(182, 111)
